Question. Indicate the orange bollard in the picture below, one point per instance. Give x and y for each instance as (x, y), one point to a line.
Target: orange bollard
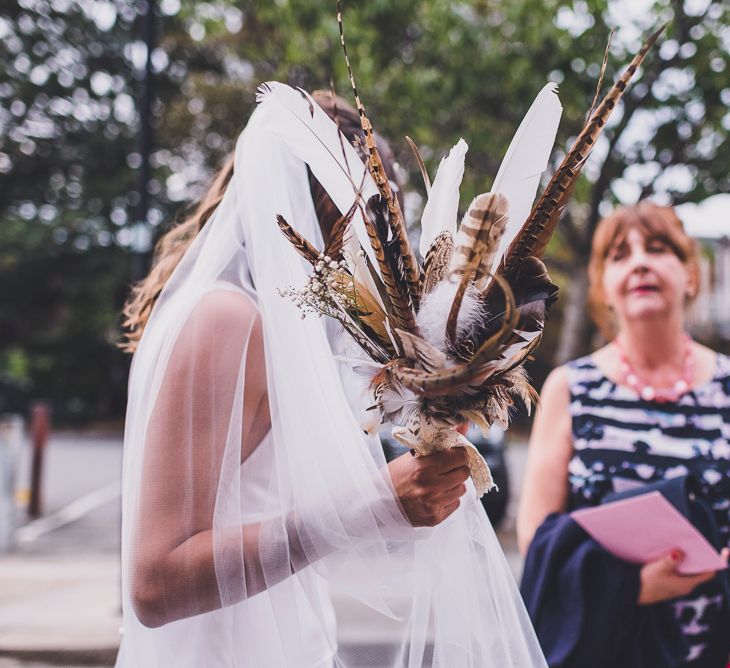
(39, 429)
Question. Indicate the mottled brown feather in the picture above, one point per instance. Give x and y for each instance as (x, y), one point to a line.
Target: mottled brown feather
(416, 349)
(438, 259)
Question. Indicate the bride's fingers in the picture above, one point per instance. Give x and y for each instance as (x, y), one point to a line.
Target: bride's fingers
(454, 493)
(450, 508)
(454, 477)
(448, 460)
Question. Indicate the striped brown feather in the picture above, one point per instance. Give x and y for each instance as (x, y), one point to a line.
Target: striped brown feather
(377, 171)
(395, 291)
(540, 225)
(302, 246)
(336, 240)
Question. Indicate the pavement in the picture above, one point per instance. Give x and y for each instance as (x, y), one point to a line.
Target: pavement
(59, 585)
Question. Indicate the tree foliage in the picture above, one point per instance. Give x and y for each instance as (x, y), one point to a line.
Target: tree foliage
(433, 69)
(67, 121)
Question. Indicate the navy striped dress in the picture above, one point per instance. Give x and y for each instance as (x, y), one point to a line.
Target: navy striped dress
(621, 441)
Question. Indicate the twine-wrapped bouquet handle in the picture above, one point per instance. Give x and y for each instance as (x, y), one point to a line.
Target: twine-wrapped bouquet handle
(425, 437)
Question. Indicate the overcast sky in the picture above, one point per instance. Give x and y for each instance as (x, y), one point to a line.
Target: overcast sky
(710, 218)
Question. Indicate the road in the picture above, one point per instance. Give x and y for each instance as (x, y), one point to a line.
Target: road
(67, 561)
(81, 497)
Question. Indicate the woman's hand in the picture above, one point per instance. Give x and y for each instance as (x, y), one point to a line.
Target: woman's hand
(429, 487)
(660, 581)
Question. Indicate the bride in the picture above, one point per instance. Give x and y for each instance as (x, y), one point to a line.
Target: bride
(250, 484)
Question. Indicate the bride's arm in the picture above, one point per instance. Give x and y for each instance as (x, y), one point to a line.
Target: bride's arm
(174, 573)
(179, 562)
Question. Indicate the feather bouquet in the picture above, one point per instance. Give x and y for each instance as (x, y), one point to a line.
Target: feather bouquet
(448, 338)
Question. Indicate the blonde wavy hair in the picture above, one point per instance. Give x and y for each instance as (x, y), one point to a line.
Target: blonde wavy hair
(172, 245)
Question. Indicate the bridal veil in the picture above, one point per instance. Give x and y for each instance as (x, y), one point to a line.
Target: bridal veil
(251, 492)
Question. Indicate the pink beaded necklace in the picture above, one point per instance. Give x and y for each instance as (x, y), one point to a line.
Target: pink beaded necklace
(650, 393)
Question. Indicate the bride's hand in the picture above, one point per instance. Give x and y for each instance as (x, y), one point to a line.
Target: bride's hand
(429, 487)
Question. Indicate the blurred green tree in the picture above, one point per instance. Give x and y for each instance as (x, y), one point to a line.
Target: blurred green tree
(67, 119)
(441, 69)
(433, 69)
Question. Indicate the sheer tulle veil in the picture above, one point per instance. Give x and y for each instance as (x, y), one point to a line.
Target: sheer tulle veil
(251, 492)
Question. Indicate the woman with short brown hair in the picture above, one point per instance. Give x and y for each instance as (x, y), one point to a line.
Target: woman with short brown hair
(651, 404)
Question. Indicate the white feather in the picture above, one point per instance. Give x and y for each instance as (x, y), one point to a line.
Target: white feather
(435, 308)
(442, 206)
(399, 403)
(313, 137)
(525, 161)
(363, 367)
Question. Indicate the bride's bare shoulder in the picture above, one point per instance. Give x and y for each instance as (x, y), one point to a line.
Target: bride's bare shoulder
(226, 309)
(219, 330)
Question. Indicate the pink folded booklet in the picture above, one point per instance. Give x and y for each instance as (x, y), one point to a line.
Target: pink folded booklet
(646, 527)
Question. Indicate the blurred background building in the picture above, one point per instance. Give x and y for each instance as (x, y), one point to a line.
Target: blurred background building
(710, 314)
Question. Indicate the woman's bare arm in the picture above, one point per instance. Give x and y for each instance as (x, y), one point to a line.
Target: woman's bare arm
(545, 484)
(173, 570)
(177, 569)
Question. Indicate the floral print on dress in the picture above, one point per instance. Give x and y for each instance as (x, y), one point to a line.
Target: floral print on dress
(621, 441)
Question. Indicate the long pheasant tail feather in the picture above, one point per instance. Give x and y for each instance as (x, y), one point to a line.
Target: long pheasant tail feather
(341, 135)
(302, 246)
(601, 74)
(540, 225)
(377, 210)
(377, 171)
(402, 311)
